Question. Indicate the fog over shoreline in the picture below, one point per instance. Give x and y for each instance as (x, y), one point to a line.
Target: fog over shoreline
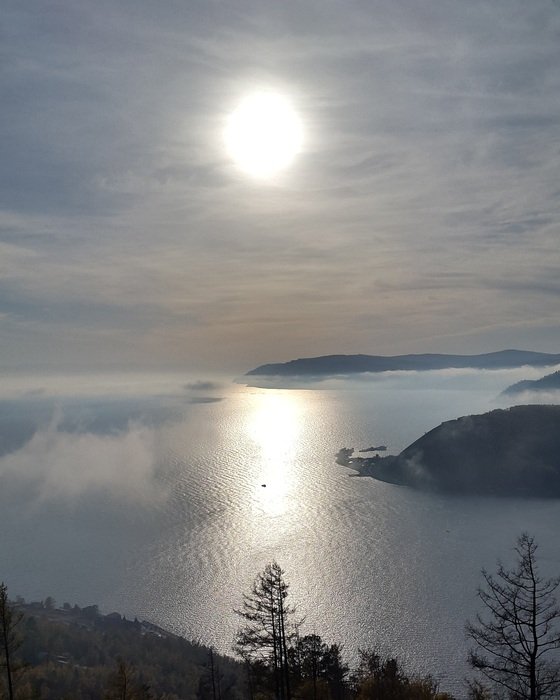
(65, 436)
(147, 498)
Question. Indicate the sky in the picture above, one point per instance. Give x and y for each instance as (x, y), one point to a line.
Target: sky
(421, 215)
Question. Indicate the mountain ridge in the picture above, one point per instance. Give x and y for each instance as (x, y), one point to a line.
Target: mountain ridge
(356, 364)
(550, 382)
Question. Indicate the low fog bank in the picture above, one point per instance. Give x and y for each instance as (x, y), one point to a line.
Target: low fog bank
(121, 385)
(57, 465)
(63, 439)
(533, 397)
(492, 381)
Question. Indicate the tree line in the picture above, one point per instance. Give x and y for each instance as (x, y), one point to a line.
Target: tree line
(515, 651)
(284, 664)
(515, 644)
(71, 653)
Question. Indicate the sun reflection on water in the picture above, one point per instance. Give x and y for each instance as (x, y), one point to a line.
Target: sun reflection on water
(274, 426)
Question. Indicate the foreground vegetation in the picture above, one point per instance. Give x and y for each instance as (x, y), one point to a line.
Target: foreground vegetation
(73, 653)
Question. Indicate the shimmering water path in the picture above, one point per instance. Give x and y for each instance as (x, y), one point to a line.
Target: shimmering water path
(182, 514)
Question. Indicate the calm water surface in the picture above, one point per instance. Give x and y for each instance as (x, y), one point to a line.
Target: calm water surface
(251, 478)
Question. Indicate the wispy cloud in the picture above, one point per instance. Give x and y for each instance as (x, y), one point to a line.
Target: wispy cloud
(425, 203)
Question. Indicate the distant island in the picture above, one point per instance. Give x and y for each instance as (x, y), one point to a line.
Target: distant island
(506, 452)
(355, 364)
(549, 383)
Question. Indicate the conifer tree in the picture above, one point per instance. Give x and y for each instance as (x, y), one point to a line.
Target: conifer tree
(269, 627)
(123, 685)
(10, 641)
(518, 639)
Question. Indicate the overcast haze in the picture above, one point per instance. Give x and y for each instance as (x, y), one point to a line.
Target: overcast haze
(422, 214)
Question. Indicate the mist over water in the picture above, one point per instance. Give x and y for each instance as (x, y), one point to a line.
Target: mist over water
(163, 500)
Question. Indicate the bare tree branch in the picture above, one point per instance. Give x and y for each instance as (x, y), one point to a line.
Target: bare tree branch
(516, 638)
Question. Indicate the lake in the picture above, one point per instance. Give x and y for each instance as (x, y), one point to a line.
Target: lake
(162, 498)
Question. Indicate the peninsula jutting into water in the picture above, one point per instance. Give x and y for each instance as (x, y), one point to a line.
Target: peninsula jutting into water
(513, 452)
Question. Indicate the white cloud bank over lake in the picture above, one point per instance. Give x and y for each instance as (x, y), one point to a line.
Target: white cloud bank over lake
(62, 467)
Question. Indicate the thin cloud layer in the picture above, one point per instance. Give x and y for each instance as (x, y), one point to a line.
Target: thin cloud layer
(421, 216)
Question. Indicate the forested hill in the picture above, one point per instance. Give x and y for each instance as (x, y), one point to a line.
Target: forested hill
(352, 364)
(512, 452)
(77, 653)
(549, 383)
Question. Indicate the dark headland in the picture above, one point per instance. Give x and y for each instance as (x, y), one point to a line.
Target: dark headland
(353, 364)
(549, 383)
(506, 452)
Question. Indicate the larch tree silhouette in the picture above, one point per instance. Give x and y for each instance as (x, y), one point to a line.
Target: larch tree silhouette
(517, 635)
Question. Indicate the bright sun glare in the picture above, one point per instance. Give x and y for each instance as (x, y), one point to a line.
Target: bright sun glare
(263, 134)
(274, 427)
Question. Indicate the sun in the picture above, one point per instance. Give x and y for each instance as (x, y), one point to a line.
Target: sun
(263, 134)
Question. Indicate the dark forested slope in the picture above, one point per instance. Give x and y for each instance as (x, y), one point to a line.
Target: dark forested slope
(551, 382)
(75, 653)
(511, 452)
